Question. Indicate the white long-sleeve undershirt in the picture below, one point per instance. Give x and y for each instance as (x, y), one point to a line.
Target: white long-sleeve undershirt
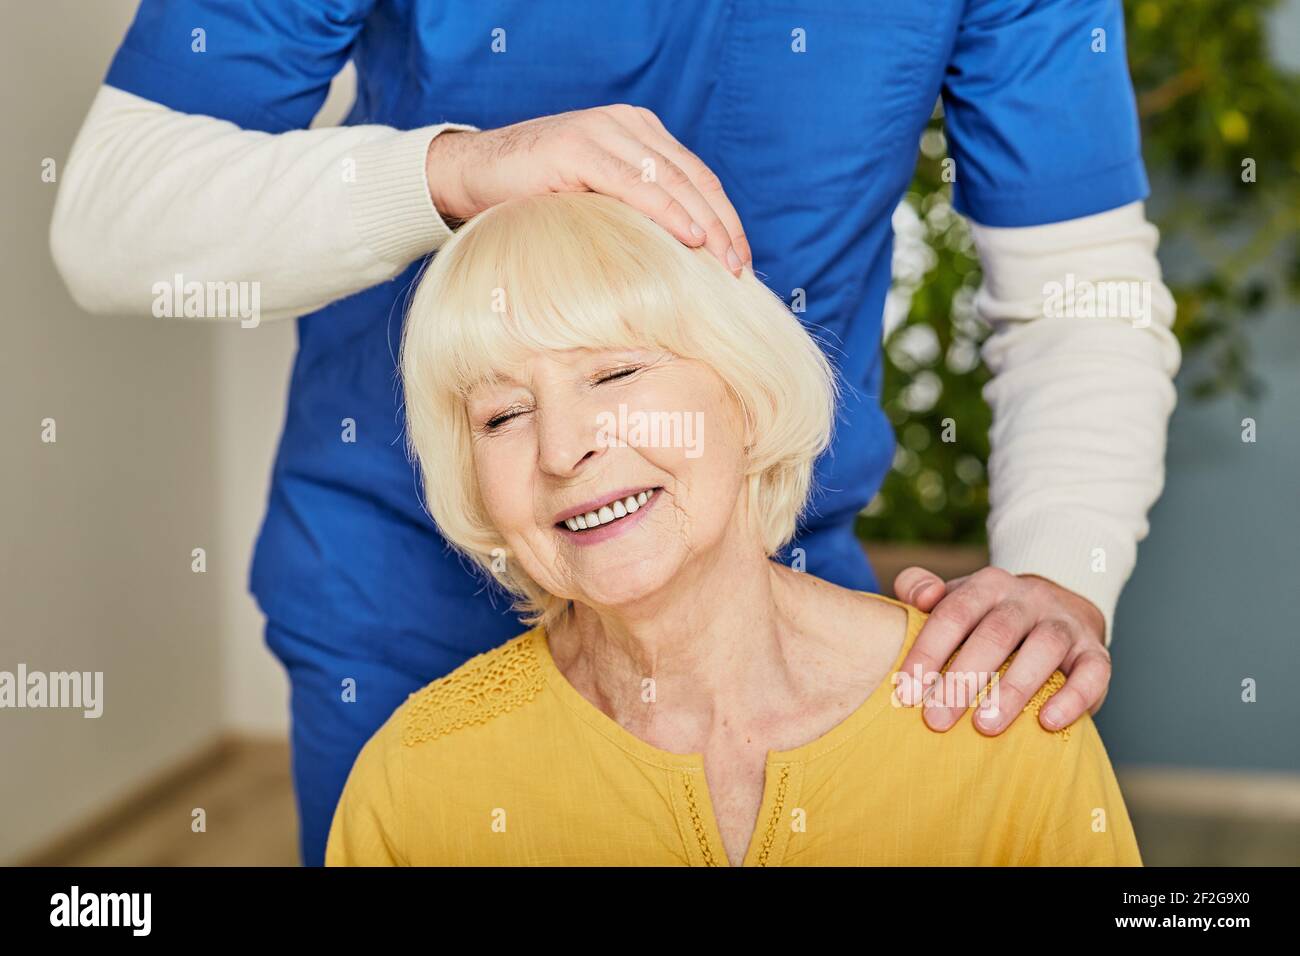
(1080, 399)
(311, 215)
(1080, 404)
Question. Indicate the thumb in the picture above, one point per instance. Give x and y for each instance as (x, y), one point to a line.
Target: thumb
(919, 587)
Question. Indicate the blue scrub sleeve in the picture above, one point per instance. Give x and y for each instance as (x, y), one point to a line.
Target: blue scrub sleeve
(261, 64)
(1040, 114)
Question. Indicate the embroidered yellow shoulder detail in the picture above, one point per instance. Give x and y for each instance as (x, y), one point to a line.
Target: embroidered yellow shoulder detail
(1040, 698)
(482, 688)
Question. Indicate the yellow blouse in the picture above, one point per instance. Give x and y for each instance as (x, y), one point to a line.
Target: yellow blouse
(503, 763)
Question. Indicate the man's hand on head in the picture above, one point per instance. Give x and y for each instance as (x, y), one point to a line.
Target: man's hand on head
(620, 150)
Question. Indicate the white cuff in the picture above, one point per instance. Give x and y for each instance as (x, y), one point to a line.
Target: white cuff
(390, 198)
(1080, 554)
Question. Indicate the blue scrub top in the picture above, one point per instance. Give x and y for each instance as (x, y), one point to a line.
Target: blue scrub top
(814, 148)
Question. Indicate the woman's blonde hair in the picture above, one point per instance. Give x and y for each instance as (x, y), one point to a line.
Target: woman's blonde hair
(583, 270)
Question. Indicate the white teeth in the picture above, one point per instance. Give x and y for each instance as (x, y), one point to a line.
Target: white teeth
(610, 512)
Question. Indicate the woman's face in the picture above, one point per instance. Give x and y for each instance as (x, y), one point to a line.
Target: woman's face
(566, 441)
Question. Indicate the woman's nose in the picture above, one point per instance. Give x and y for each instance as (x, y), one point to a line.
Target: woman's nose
(567, 439)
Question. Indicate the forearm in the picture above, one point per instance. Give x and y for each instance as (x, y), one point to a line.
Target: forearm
(311, 215)
(1080, 402)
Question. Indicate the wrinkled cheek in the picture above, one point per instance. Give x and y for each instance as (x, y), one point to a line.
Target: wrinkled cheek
(678, 524)
(551, 565)
(667, 533)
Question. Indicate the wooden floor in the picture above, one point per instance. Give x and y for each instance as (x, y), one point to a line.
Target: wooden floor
(246, 789)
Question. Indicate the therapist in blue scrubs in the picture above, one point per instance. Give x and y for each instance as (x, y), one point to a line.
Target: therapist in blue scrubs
(815, 153)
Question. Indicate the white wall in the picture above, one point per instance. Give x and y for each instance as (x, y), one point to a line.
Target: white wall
(97, 528)
(251, 375)
(166, 432)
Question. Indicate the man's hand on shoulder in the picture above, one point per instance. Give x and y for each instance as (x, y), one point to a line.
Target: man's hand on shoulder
(985, 617)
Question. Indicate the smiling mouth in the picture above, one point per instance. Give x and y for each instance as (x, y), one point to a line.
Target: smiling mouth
(610, 512)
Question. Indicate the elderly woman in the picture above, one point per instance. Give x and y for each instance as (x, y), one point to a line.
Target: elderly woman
(622, 434)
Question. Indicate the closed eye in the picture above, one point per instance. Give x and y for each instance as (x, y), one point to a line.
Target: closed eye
(496, 421)
(621, 373)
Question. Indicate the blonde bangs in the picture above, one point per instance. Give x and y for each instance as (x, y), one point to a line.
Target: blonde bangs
(533, 277)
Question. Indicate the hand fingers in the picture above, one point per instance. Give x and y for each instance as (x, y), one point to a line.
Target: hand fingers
(916, 586)
(1036, 661)
(1085, 689)
(656, 171)
(600, 170)
(994, 638)
(949, 624)
(705, 180)
(627, 135)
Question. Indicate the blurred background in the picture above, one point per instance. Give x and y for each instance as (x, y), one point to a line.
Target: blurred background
(167, 433)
